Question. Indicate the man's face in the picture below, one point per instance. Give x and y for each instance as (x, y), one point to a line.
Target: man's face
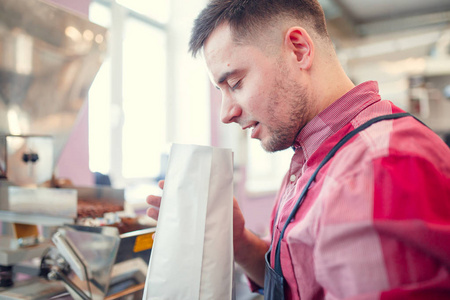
(259, 91)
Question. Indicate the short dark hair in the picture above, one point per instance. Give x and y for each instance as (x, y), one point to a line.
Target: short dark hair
(245, 16)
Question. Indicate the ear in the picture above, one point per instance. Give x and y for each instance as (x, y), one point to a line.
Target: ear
(300, 44)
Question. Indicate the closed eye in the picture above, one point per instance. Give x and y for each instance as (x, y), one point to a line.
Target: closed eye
(236, 85)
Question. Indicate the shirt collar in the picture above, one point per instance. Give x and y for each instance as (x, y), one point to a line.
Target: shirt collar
(335, 117)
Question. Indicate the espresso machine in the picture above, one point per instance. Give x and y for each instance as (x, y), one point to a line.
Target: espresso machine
(50, 232)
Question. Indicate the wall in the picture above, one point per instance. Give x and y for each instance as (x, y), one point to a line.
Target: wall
(187, 110)
(74, 161)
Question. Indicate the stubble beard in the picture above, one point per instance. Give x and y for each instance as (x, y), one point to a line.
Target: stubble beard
(283, 135)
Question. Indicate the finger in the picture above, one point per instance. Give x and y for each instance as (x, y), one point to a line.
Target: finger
(153, 213)
(154, 200)
(161, 184)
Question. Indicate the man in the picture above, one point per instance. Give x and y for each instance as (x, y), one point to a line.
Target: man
(375, 222)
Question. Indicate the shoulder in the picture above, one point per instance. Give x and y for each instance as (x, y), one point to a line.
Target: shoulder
(400, 138)
(390, 159)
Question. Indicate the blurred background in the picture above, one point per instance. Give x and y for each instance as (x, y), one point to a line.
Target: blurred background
(94, 92)
(150, 92)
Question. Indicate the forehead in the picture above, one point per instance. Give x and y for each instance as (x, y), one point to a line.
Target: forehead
(223, 54)
(220, 50)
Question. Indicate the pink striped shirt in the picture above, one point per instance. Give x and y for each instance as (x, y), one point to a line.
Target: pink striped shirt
(376, 222)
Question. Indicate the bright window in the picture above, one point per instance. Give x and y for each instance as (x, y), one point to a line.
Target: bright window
(144, 81)
(127, 99)
(155, 10)
(100, 103)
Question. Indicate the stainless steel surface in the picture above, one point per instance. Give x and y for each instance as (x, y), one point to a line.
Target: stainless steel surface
(33, 219)
(11, 253)
(61, 203)
(56, 274)
(103, 263)
(26, 160)
(70, 255)
(48, 60)
(102, 194)
(56, 202)
(95, 250)
(33, 289)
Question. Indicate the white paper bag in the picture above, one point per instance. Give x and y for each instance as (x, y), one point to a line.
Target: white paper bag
(192, 255)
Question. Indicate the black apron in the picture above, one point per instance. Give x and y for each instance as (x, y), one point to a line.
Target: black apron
(274, 281)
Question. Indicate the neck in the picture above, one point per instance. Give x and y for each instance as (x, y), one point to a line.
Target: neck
(330, 80)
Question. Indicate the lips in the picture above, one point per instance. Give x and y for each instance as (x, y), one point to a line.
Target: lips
(254, 127)
(255, 131)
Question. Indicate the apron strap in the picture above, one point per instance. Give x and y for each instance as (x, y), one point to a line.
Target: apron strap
(330, 154)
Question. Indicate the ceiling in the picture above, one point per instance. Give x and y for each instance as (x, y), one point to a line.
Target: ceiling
(368, 28)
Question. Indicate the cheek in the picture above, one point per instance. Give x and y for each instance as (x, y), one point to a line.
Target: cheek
(259, 92)
(259, 98)
(256, 104)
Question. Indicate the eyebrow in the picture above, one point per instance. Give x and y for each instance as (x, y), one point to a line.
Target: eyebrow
(225, 76)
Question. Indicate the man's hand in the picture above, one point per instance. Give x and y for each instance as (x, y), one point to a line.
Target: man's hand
(155, 202)
(238, 224)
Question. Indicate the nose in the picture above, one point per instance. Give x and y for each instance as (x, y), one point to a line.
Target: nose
(230, 110)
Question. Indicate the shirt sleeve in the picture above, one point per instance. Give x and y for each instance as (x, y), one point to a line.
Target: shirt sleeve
(268, 238)
(385, 232)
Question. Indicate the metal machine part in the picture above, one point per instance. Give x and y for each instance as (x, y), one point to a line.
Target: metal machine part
(90, 253)
(48, 60)
(26, 160)
(49, 208)
(49, 57)
(44, 201)
(102, 261)
(36, 288)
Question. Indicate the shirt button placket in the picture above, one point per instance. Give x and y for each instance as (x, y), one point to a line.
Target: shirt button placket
(292, 178)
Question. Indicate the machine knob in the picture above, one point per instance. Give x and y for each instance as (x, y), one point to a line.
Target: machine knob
(30, 157)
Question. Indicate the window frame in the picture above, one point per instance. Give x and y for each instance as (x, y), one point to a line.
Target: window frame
(119, 15)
